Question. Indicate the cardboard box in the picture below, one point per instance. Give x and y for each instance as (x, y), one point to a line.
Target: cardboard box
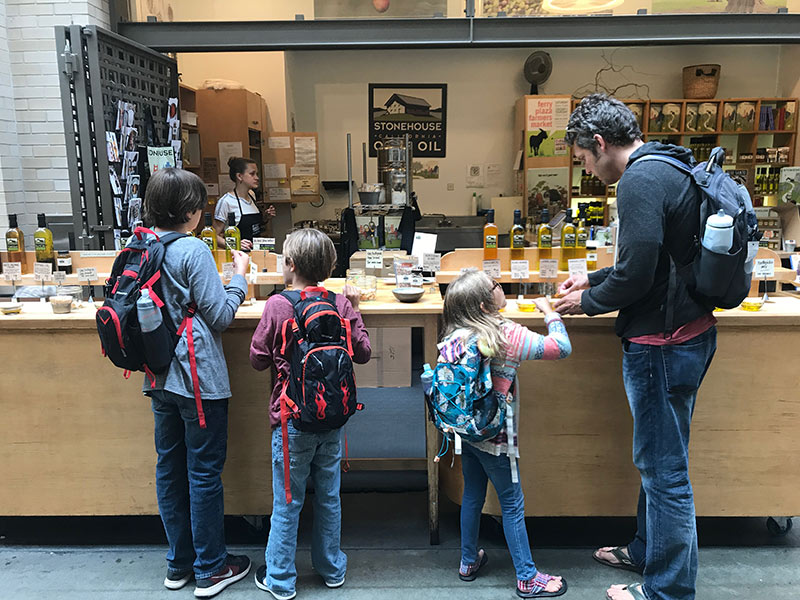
(390, 364)
(359, 261)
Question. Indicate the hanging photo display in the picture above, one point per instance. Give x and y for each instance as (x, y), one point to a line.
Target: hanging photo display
(116, 186)
(419, 110)
(130, 164)
(132, 188)
(112, 148)
(134, 212)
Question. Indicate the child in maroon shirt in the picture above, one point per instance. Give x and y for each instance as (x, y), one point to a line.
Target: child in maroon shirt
(309, 258)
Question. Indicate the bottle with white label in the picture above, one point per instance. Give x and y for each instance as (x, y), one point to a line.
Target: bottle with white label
(147, 311)
(718, 236)
(516, 237)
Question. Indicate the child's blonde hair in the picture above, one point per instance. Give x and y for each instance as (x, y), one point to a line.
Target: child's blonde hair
(312, 253)
(469, 304)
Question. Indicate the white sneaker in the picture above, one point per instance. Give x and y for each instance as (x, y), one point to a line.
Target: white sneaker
(335, 584)
(261, 578)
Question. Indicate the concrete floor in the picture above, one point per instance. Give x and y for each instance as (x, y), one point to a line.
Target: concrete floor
(385, 537)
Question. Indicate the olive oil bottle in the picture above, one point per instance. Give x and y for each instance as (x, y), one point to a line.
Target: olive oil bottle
(581, 237)
(568, 242)
(15, 243)
(233, 237)
(545, 236)
(43, 242)
(490, 237)
(208, 235)
(516, 237)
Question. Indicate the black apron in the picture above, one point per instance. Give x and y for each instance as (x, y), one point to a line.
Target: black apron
(249, 225)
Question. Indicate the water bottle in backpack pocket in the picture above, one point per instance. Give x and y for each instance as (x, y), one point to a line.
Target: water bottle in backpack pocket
(157, 340)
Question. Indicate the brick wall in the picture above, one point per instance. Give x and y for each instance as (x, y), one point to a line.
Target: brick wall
(33, 163)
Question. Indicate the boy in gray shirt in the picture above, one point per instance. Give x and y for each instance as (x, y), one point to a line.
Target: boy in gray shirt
(190, 456)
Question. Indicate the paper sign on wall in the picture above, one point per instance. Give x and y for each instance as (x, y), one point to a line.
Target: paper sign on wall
(212, 189)
(228, 150)
(305, 185)
(278, 194)
(274, 171)
(764, 267)
(305, 151)
(577, 266)
(492, 268)
(520, 269)
(548, 268)
(279, 142)
(302, 171)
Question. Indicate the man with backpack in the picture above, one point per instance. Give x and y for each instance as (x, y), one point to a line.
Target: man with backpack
(312, 337)
(668, 333)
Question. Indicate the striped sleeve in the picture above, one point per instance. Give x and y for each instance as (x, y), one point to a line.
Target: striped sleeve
(524, 344)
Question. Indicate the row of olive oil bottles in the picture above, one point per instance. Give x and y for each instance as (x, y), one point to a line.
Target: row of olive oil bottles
(575, 242)
(42, 244)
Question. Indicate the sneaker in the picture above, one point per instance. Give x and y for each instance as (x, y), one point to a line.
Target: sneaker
(335, 584)
(261, 583)
(175, 580)
(234, 569)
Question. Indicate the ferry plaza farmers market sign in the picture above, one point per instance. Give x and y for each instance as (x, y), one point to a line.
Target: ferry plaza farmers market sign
(417, 109)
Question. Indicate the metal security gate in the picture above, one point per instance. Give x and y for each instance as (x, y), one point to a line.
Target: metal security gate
(97, 70)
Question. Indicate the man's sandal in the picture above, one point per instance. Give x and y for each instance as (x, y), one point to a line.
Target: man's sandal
(634, 589)
(623, 559)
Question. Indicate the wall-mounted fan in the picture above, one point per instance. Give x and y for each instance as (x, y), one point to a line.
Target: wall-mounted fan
(538, 68)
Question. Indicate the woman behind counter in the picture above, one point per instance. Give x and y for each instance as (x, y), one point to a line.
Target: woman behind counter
(241, 202)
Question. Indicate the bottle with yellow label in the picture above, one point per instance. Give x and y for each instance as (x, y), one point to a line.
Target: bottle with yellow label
(43, 242)
(15, 243)
(490, 237)
(209, 236)
(568, 242)
(591, 255)
(233, 237)
(545, 236)
(581, 237)
(516, 237)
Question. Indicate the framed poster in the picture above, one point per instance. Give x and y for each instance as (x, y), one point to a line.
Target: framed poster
(419, 109)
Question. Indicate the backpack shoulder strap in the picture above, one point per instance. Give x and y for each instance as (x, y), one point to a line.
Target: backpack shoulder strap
(680, 165)
(168, 238)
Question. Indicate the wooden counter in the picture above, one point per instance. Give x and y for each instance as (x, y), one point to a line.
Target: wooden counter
(576, 427)
(76, 438)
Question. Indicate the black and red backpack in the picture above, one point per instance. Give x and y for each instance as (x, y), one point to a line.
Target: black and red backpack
(320, 392)
(138, 267)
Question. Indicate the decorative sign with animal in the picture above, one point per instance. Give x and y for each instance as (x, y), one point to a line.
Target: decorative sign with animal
(546, 126)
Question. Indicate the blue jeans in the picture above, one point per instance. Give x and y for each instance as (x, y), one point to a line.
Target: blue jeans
(189, 481)
(318, 456)
(478, 467)
(661, 383)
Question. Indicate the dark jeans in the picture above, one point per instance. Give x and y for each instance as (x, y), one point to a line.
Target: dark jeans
(661, 383)
(189, 481)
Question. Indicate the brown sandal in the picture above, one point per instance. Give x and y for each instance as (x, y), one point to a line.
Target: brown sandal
(623, 559)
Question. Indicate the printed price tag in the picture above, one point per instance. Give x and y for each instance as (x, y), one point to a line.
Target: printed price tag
(87, 274)
(764, 267)
(59, 277)
(98, 253)
(520, 269)
(548, 268)
(752, 250)
(279, 262)
(12, 271)
(227, 270)
(492, 268)
(374, 259)
(42, 271)
(609, 249)
(262, 243)
(577, 266)
(431, 261)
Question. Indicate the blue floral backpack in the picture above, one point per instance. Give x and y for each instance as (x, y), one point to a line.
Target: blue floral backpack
(459, 393)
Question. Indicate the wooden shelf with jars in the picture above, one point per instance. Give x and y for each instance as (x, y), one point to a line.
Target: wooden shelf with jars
(759, 135)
